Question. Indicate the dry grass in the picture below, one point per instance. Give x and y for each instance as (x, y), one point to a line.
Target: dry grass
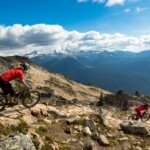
(63, 86)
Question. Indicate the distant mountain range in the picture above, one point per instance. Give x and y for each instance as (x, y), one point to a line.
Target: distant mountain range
(114, 71)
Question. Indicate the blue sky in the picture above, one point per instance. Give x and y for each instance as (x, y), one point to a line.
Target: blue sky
(81, 16)
(62, 25)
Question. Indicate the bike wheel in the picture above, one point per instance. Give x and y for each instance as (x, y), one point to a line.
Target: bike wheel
(132, 117)
(2, 102)
(145, 117)
(31, 100)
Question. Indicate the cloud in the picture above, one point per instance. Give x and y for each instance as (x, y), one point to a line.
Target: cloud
(115, 2)
(82, 1)
(127, 10)
(18, 39)
(108, 3)
(93, 1)
(139, 9)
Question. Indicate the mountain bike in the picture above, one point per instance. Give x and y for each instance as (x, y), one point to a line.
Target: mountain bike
(144, 117)
(28, 99)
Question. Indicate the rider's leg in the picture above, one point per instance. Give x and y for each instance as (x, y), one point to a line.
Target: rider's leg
(9, 92)
(138, 113)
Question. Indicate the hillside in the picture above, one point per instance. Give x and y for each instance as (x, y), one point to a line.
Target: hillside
(60, 85)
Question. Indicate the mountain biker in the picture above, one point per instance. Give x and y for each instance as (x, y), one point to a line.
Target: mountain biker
(140, 108)
(13, 74)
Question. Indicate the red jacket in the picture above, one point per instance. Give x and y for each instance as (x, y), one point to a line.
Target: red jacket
(13, 74)
(141, 107)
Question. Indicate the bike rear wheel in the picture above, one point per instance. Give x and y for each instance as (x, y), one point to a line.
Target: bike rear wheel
(2, 102)
(132, 117)
(145, 117)
(31, 100)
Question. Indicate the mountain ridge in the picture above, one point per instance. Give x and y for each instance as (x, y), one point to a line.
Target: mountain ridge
(112, 70)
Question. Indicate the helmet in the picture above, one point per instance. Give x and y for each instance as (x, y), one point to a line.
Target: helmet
(24, 65)
(147, 105)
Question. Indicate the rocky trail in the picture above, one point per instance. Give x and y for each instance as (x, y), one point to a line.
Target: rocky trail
(71, 126)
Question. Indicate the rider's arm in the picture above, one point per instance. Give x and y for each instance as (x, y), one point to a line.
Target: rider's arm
(25, 84)
(146, 109)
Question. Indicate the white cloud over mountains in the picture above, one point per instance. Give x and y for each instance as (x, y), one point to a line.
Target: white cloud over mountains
(108, 3)
(18, 39)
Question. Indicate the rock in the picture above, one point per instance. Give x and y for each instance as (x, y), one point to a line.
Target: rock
(76, 127)
(80, 128)
(90, 146)
(9, 122)
(38, 126)
(29, 120)
(68, 130)
(56, 111)
(138, 148)
(36, 111)
(12, 115)
(25, 112)
(54, 146)
(137, 143)
(31, 132)
(73, 120)
(40, 109)
(72, 140)
(17, 142)
(90, 123)
(147, 148)
(87, 131)
(134, 128)
(110, 136)
(103, 140)
(109, 120)
(81, 143)
(56, 120)
(123, 139)
(47, 121)
(95, 136)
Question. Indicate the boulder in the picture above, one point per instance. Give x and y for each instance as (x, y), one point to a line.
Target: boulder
(36, 111)
(29, 120)
(103, 140)
(87, 131)
(40, 109)
(56, 111)
(135, 128)
(138, 148)
(54, 146)
(90, 123)
(9, 122)
(12, 115)
(73, 120)
(123, 139)
(109, 120)
(68, 130)
(47, 121)
(17, 142)
(110, 136)
(90, 146)
(32, 134)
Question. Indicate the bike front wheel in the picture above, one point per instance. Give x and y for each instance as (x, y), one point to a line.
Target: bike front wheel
(145, 117)
(2, 102)
(32, 99)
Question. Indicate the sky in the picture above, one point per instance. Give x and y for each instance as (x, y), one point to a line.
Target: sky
(61, 25)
